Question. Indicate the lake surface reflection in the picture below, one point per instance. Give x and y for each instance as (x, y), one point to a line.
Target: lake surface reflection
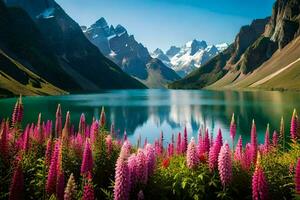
(148, 112)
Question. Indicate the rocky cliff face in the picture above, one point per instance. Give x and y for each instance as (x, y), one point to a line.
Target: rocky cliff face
(76, 56)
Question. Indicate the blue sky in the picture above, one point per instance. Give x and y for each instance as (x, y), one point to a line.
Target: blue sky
(162, 23)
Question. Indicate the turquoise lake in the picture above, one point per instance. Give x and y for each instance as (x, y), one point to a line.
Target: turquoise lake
(148, 112)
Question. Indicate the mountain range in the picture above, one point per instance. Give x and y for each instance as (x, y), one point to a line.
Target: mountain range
(43, 51)
(264, 55)
(122, 48)
(190, 56)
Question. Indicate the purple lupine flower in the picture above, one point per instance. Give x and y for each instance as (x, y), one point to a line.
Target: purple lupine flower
(150, 158)
(87, 159)
(232, 129)
(142, 168)
(122, 177)
(82, 125)
(58, 122)
(71, 189)
(192, 158)
(88, 189)
(102, 120)
(253, 143)
(275, 139)
(297, 177)
(259, 184)
(16, 190)
(48, 152)
(140, 195)
(52, 173)
(225, 165)
(184, 142)
(108, 143)
(293, 131)
(132, 166)
(178, 144)
(238, 154)
(214, 151)
(267, 145)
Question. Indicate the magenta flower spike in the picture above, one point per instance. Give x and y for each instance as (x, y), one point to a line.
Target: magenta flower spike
(132, 166)
(192, 158)
(142, 167)
(52, 173)
(253, 143)
(178, 144)
(25, 144)
(150, 158)
(16, 190)
(87, 159)
(214, 151)
(232, 129)
(102, 120)
(238, 154)
(297, 177)
(60, 186)
(206, 142)
(246, 162)
(48, 152)
(259, 184)
(108, 143)
(67, 127)
(267, 145)
(17, 115)
(88, 189)
(184, 142)
(94, 131)
(225, 165)
(58, 122)
(293, 131)
(122, 178)
(71, 189)
(275, 139)
(82, 124)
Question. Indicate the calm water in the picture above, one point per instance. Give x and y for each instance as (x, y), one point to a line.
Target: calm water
(148, 112)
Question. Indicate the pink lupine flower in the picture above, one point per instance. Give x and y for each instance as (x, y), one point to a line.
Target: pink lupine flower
(150, 159)
(17, 115)
(275, 139)
(170, 149)
(108, 143)
(259, 184)
(58, 122)
(25, 144)
(178, 145)
(225, 165)
(102, 120)
(293, 131)
(48, 152)
(87, 159)
(94, 131)
(88, 189)
(297, 177)
(60, 185)
(126, 148)
(141, 195)
(232, 129)
(246, 162)
(214, 151)
(267, 145)
(184, 142)
(67, 127)
(82, 125)
(192, 158)
(142, 168)
(253, 143)
(122, 178)
(52, 173)
(16, 190)
(132, 166)
(206, 142)
(71, 189)
(238, 154)
(87, 132)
